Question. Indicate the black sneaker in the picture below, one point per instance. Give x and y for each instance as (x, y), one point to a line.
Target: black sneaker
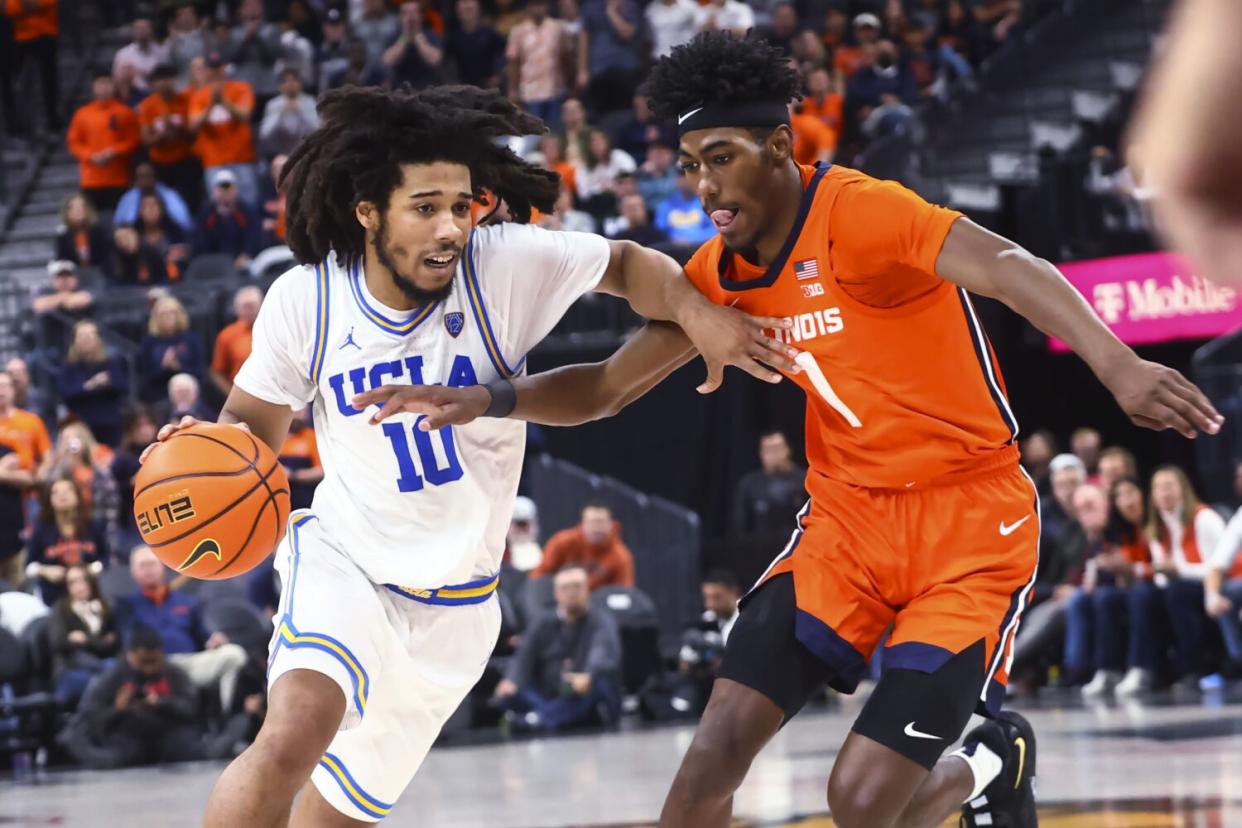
(1009, 800)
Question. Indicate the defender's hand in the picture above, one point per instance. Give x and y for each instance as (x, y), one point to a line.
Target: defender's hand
(440, 405)
(1158, 397)
(727, 336)
(171, 429)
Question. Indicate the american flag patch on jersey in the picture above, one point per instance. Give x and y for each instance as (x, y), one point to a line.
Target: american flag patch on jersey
(806, 269)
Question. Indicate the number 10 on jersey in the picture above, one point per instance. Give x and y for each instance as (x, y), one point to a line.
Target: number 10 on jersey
(401, 434)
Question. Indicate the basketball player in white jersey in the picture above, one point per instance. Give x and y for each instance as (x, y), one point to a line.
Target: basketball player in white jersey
(387, 614)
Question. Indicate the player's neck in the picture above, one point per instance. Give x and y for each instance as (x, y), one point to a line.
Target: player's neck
(786, 201)
(381, 284)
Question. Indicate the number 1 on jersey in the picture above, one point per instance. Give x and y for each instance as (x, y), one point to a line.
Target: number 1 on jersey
(410, 480)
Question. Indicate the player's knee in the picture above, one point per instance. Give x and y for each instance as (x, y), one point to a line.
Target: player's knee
(854, 797)
(305, 710)
(729, 736)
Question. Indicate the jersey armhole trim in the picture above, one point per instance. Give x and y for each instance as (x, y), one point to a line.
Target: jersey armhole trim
(474, 293)
(321, 321)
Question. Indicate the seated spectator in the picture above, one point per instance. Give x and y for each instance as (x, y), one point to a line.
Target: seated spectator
(26, 396)
(233, 341)
(1114, 464)
(671, 23)
(297, 51)
(565, 672)
(475, 48)
(146, 183)
(14, 482)
(220, 116)
(595, 545)
(253, 48)
(824, 101)
(880, 81)
(60, 304)
(140, 57)
(1038, 449)
(1183, 534)
(726, 16)
(1085, 444)
(330, 57)
(139, 432)
(289, 117)
(575, 131)
(184, 400)
(1127, 533)
(186, 40)
(65, 535)
(228, 224)
(21, 431)
(376, 27)
(168, 349)
(93, 383)
(784, 26)
(79, 456)
(414, 55)
(537, 48)
(814, 143)
(103, 136)
(211, 662)
(82, 632)
(565, 217)
(638, 223)
(1222, 590)
(1066, 473)
(299, 455)
(957, 31)
(768, 498)
(137, 263)
(642, 130)
(275, 205)
(359, 69)
(81, 239)
(657, 177)
(552, 148)
(160, 235)
(522, 549)
(681, 215)
(849, 58)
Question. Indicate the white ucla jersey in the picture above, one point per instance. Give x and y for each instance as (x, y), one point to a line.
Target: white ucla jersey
(413, 508)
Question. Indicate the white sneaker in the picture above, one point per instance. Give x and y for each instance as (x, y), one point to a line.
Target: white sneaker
(1101, 684)
(1137, 681)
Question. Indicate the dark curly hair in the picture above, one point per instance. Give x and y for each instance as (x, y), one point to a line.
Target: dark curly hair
(717, 67)
(365, 135)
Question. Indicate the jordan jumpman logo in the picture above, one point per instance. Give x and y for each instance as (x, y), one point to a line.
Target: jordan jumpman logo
(349, 340)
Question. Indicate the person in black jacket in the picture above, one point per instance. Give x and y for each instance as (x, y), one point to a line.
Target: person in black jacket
(93, 383)
(169, 348)
(82, 631)
(81, 239)
(65, 536)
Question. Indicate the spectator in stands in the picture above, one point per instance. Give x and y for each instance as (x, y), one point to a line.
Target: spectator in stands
(657, 177)
(768, 498)
(92, 383)
(14, 480)
(228, 224)
(784, 26)
(814, 143)
(552, 148)
(1114, 464)
(146, 183)
(726, 15)
(103, 136)
(880, 87)
(702, 645)
(638, 224)
(162, 236)
(169, 348)
(595, 545)
(610, 52)
(1038, 449)
(26, 396)
(302, 19)
(575, 131)
(253, 49)
(475, 48)
(536, 52)
(220, 115)
(65, 535)
(596, 173)
(134, 261)
(566, 669)
(21, 431)
(824, 101)
(998, 17)
(359, 69)
(211, 661)
(377, 28)
(522, 549)
(233, 341)
(140, 57)
(78, 455)
(184, 400)
(164, 119)
(140, 431)
(1183, 534)
(1067, 473)
(299, 455)
(275, 205)
(1222, 590)
(289, 117)
(565, 217)
(849, 58)
(1085, 443)
(681, 215)
(186, 39)
(414, 55)
(125, 86)
(297, 51)
(671, 23)
(330, 55)
(82, 634)
(36, 31)
(81, 239)
(1127, 533)
(61, 303)
(634, 135)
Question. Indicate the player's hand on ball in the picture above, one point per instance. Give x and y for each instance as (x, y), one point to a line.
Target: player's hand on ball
(1158, 397)
(440, 405)
(171, 429)
(727, 336)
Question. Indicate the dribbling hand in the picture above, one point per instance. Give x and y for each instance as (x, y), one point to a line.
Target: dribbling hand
(172, 428)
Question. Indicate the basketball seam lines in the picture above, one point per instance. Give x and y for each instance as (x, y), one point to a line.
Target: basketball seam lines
(253, 526)
(225, 510)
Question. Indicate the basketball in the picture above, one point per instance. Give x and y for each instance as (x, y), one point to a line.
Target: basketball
(211, 501)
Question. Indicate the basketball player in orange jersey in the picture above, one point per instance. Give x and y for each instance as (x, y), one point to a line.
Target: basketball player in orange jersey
(920, 516)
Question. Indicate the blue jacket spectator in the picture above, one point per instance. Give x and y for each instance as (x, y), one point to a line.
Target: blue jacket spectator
(228, 225)
(681, 216)
(93, 384)
(886, 76)
(144, 182)
(168, 349)
(414, 55)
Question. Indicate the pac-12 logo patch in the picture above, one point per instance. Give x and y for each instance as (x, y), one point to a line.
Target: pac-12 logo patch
(454, 322)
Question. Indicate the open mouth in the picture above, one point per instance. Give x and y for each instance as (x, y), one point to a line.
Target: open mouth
(723, 218)
(441, 261)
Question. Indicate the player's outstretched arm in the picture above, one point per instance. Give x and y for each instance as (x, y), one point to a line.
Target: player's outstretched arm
(1152, 395)
(565, 396)
(267, 421)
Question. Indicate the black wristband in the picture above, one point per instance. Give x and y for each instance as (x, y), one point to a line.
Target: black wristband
(504, 398)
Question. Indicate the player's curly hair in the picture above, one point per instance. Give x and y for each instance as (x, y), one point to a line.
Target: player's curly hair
(716, 67)
(365, 134)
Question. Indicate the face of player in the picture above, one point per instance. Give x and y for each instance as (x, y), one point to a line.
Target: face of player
(596, 525)
(1166, 491)
(419, 236)
(735, 176)
(1128, 499)
(719, 599)
(64, 496)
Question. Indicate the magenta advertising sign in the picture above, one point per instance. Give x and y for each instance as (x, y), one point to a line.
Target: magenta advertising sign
(1153, 297)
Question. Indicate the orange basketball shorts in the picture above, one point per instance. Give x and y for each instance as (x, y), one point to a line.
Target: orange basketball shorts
(943, 566)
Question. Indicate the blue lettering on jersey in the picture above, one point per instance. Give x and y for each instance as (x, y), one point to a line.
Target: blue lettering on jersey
(387, 373)
(462, 373)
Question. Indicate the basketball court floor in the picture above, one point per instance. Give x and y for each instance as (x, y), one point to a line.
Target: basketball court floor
(1151, 765)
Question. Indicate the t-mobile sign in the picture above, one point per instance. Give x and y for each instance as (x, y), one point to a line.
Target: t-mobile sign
(1153, 297)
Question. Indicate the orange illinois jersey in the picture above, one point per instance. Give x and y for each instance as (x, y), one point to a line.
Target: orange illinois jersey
(902, 387)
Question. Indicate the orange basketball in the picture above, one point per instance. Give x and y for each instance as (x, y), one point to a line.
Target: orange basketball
(211, 501)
